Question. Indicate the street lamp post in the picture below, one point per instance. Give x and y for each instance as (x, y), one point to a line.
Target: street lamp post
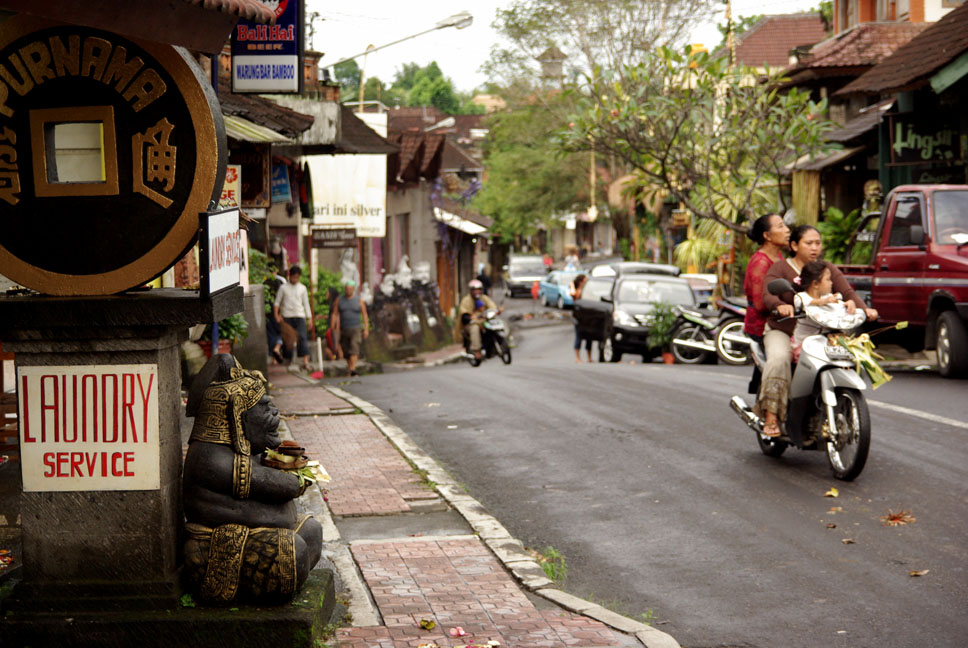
(460, 20)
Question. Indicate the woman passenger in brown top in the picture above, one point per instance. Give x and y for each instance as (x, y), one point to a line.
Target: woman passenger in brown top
(806, 246)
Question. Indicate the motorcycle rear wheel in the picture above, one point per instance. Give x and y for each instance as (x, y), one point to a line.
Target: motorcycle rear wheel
(848, 454)
(732, 353)
(693, 333)
(771, 446)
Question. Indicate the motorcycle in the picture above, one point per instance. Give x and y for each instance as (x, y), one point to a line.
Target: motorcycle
(495, 340)
(697, 337)
(827, 407)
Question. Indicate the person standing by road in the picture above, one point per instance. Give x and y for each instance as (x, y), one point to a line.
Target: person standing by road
(292, 307)
(771, 234)
(352, 323)
(574, 289)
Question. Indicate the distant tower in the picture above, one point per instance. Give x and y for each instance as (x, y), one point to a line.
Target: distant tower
(552, 65)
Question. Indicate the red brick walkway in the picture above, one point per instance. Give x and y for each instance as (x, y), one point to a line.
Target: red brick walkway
(457, 583)
(369, 476)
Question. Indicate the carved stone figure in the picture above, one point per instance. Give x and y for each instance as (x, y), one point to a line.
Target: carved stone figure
(244, 541)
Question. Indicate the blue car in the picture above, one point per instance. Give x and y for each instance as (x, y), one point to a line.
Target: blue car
(553, 289)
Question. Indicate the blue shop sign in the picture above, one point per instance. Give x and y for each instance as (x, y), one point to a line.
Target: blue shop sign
(281, 192)
(268, 58)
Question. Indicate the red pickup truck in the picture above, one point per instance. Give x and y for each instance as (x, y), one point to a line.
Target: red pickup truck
(918, 269)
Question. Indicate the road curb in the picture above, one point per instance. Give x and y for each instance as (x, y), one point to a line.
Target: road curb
(507, 549)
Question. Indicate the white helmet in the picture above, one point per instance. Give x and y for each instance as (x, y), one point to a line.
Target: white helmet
(475, 284)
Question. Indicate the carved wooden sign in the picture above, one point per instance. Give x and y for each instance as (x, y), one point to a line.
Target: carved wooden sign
(109, 149)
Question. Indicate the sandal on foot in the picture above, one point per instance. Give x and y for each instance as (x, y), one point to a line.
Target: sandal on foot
(771, 430)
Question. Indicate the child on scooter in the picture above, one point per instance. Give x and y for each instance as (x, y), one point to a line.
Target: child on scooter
(816, 285)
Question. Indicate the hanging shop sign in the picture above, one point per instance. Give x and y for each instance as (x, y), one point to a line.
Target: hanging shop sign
(350, 191)
(220, 251)
(334, 238)
(232, 187)
(268, 58)
(109, 149)
(89, 427)
(281, 191)
(918, 141)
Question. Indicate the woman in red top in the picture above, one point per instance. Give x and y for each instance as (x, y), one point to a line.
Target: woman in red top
(772, 235)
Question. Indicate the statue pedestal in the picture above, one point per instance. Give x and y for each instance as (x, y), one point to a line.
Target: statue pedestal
(98, 552)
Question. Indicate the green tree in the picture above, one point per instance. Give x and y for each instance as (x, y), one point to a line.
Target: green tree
(348, 74)
(739, 27)
(529, 179)
(705, 133)
(434, 91)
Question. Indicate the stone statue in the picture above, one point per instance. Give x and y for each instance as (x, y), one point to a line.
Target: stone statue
(244, 541)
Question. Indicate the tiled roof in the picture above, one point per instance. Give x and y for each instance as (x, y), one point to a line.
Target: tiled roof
(456, 159)
(263, 112)
(912, 64)
(862, 45)
(248, 9)
(771, 38)
(419, 157)
(863, 123)
(357, 137)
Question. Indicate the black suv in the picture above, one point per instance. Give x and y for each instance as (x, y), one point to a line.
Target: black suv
(615, 311)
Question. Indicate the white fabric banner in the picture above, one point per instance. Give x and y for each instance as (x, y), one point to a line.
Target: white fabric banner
(350, 191)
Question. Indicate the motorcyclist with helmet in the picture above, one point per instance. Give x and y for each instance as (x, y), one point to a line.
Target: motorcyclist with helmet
(471, 314)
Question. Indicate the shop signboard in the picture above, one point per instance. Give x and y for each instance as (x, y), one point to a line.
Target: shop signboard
(231, 190)
(350, 191)
(268, 58)
(916, 140)
(109, 149)
(279, 182)
(220, 251)
(89, 427)
(337, 237)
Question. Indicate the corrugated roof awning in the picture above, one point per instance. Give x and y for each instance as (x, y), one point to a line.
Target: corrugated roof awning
(458, 223)
(243, 130)
(805, 163)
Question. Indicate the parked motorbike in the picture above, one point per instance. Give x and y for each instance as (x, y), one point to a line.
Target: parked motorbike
(697, 337)
(827, 407)
(732, 343)
(495, 340)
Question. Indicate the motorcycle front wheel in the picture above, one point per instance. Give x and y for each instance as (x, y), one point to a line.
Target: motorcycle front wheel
(504, 349)
(728, 350)
(691, 333)
(847, 453)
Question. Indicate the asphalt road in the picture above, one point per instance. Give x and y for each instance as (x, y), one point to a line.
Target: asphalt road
(663, 505)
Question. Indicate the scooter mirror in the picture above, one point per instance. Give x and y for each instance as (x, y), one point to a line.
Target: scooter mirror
(779, 286)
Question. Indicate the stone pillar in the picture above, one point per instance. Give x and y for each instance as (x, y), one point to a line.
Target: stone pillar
(106, 543)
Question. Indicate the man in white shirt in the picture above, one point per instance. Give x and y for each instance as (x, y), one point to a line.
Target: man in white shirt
(292, 307)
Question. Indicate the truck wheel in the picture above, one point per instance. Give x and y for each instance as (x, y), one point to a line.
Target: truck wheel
(952, 345)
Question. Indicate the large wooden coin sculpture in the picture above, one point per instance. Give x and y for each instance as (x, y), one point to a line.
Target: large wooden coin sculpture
(129, 209)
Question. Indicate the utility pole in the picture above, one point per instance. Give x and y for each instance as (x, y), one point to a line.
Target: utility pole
(730, 41)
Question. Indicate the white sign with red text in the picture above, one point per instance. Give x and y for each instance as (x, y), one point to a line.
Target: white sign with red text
(224, 250)
(89, 427)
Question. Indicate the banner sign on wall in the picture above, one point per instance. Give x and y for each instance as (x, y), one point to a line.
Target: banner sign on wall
(916, 140)
(279, 182)
(89, 427)
(268, 58)
(334, 238)
(350, 191)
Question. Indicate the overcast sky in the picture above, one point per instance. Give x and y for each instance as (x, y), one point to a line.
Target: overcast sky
(349, 27)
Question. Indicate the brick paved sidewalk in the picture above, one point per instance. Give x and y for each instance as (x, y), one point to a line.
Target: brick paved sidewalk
(457, 583)
(452, 581)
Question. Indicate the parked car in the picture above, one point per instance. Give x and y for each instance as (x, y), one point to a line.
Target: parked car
(615, 311)
(553, 289)
(521, 272)
(637, 267)
(918, 270)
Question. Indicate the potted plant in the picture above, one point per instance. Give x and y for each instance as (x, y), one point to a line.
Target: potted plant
(231, 330)
(660, 330)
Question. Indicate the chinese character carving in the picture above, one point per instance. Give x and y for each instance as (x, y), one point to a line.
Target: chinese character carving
(160, 163)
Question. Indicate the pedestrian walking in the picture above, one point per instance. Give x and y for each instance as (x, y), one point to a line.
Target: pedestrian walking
(353, 324)
(292, 307)
(575, 289)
